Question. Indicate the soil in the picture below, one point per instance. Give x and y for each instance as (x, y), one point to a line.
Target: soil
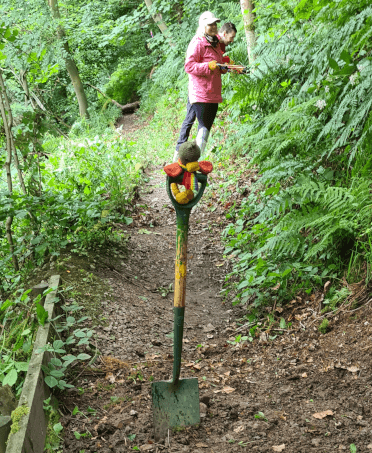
(302, 391)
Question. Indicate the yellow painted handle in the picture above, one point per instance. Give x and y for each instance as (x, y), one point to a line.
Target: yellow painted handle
(181, 269)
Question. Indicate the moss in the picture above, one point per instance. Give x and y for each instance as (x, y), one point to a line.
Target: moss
(52, 440)
(17, 415)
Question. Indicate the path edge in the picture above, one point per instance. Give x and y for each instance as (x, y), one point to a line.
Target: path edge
(30, 438)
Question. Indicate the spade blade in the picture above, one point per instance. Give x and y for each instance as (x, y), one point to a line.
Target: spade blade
(174, 405)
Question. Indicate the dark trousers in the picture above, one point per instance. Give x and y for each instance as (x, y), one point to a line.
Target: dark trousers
(204, 112)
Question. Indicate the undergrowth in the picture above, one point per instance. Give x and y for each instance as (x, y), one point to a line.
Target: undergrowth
(305, 125)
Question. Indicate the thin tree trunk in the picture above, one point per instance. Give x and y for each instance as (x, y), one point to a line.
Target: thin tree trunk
(8, 131)
(8, 161)
(70, 64)
(24, 83)
(247, 7)
(158, 19)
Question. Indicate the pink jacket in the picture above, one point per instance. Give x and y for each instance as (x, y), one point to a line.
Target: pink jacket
(204, 84)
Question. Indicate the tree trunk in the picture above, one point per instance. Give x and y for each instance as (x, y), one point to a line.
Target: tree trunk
(247, 7)
(8, 161)
(8, 124)
(158, 19)
(70, 64)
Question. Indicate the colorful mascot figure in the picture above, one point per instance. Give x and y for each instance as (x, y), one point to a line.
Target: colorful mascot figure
(189, 153)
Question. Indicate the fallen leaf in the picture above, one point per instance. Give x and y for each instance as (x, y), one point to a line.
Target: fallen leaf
(144, 231)
(276, 287)
(304, 375)
(228, 390)
(197, 367)
(189, 364)
(209, 328)
(100, 422)
(239, 429)
(301, 317)
(353, 369)
(110, 377)
(321, 415)
(185, 340)
(280, 309)
(310, 360)
(152, 357)
(200, 445)
(326, 286)
(279, 447)
(227, 373)
(209, 336)
(369, 447)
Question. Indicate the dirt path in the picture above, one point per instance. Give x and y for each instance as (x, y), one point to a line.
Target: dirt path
(261, 396)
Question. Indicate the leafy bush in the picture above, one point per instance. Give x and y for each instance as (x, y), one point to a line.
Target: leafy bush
(306, 115)
(127, 79)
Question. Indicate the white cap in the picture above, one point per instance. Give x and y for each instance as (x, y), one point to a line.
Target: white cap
(207, 18)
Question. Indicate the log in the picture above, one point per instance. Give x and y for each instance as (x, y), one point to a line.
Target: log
(127, 108)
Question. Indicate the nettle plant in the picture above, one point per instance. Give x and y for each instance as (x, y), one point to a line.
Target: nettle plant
(20, 317)
(55, 370)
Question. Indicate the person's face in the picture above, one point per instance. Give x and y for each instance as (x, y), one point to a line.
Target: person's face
(228, 38)
(211, 29)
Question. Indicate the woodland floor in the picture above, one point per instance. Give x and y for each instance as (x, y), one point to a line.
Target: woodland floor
(300, 374)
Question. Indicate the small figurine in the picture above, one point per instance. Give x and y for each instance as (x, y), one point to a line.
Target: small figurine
(189, 153)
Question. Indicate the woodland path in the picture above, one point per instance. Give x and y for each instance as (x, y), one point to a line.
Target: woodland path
(259, 396)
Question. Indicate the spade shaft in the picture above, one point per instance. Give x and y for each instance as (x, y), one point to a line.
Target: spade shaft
(176, 402)
(183, 216)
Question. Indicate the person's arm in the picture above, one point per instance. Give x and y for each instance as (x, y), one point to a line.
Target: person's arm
(194, 57)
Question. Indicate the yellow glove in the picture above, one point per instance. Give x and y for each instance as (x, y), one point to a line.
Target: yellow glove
(212, 65)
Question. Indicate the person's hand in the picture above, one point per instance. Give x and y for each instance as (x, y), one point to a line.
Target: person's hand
(212, 65)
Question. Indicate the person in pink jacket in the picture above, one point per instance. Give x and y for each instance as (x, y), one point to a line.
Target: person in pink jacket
(203, 53)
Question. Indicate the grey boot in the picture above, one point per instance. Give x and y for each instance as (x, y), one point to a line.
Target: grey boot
(202, 138)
